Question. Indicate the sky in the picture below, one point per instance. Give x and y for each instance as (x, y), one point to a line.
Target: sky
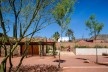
(82, 10)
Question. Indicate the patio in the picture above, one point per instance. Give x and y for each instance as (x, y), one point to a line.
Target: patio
(72, 62)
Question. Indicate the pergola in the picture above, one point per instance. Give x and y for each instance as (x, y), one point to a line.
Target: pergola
(41, 44)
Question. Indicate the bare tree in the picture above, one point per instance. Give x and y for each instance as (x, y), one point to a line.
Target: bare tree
(26, 17)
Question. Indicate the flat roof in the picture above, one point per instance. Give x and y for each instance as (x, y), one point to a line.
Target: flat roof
(31, 43)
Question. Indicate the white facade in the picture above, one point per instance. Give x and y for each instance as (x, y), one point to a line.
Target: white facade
(63, 39)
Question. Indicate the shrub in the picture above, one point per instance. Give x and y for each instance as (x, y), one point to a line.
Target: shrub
(100, 46)
(63, 48)
(37, 68)
(81, 46)
(105, 47)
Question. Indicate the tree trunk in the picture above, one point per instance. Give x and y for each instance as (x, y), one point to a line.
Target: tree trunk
(96, 49)
(10, 58)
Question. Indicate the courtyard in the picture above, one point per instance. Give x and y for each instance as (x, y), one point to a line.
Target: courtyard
(71, 62)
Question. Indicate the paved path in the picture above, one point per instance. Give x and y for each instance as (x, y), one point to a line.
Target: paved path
(77, 69)
(66, 53)
(86, 67)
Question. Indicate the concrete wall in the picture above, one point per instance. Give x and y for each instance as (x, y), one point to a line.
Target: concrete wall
(90, 51)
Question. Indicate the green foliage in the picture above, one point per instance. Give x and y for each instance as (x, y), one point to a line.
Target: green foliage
(84, 46)
(62, 47)
(3, 39)
(77, 46)
(70, 34)
(63, 8)
(62, 13)
(105, 47)
(94, 26)
(27, 17)
(100, 46)
(56, 36)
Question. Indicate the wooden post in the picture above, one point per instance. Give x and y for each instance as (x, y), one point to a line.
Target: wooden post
(21, 50)
(42, 50)
(0, 51)
(54, 50)
(32, 49)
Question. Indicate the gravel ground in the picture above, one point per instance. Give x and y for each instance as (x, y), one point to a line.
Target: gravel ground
(72, 63)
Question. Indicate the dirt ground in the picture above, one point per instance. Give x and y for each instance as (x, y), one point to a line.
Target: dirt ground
(71, 62)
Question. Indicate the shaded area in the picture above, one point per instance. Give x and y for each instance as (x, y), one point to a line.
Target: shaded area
(105, 64)
(99, 63)
(106, 57)
(85, 60)
(61, 61)
(82, 58)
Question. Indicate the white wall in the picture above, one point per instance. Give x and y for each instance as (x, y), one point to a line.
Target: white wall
(90, 51)
(63, 39)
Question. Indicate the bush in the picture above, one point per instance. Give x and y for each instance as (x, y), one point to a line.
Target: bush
(105, 47)
(37, 68)
(98, 46)
(62, 47)
(81, 46)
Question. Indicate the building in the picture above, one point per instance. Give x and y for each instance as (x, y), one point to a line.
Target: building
(63, 39)
(100, 38)
(34, 47)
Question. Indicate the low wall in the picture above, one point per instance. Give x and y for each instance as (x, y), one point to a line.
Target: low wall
(87, 44)
(16, 51)
(90, 51)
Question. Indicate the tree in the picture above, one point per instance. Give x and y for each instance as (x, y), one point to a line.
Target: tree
(95, 27)
(56, 36)
(70, 34)
(62, 15)
(26, 17)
